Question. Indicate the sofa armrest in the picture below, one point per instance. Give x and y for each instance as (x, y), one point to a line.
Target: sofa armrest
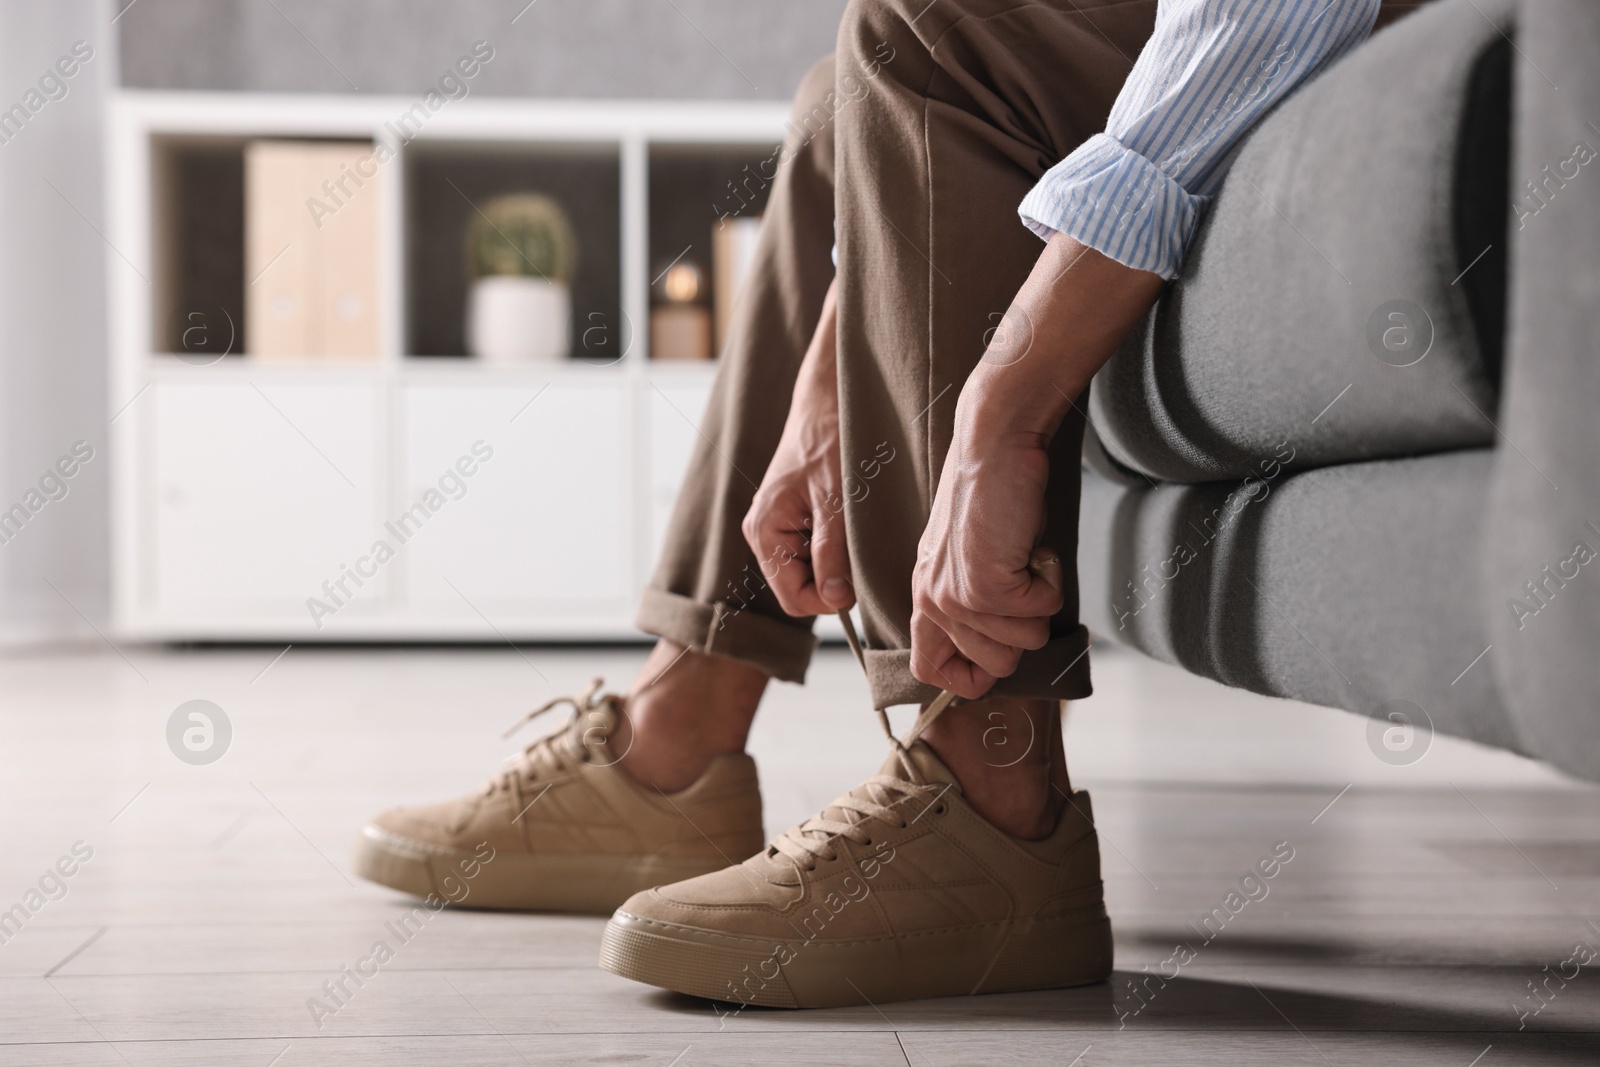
(1543, 600)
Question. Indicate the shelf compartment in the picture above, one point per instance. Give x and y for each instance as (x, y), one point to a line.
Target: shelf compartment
(447, 182)
(693, 187)
(197, 189)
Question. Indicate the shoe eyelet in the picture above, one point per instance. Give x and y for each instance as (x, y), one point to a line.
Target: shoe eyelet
(904, 824)
(940, 809)
(867, 842)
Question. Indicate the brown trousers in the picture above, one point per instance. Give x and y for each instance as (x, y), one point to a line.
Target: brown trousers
(911, 147)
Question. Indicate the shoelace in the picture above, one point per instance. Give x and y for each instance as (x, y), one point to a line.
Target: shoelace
(556, 752)
(872, 800)
(945, 698)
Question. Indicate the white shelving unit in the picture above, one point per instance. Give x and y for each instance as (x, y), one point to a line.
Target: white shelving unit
(241, 487)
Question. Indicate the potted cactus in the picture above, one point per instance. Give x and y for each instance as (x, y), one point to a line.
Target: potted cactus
(520, 253)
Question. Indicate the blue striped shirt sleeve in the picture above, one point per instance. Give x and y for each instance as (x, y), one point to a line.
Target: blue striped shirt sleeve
(1210, 71)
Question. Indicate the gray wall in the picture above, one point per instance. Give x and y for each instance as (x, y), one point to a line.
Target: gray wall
(672, 49)
(52, 321)
(52, 307)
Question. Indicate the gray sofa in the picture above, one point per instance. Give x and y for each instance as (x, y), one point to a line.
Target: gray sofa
(1361, 429)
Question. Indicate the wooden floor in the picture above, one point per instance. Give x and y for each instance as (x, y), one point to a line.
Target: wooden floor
(1421, 904)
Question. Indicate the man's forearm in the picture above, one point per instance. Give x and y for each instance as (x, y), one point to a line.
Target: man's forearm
(816, 387)
(1065, 322)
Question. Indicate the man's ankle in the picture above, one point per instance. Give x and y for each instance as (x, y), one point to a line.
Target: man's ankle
(1008, 758)
(685, 709)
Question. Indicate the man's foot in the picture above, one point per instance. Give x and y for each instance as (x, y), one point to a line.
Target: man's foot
(899, 890)
(685, 709)
(565, 828)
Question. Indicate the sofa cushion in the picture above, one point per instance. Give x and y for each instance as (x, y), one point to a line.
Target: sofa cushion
(1349, 586)
(1334, 254)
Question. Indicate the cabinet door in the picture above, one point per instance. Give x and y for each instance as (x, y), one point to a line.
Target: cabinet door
(675, 412)
(262, 494)
(538, 535)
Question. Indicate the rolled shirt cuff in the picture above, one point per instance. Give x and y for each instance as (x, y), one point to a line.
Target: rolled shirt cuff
(1118, 203)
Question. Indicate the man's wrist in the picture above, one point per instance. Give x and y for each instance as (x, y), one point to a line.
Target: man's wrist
(1003, 404)
(1065, 322)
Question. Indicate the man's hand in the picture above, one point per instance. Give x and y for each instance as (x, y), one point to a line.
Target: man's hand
(984, 589)
(795, 524)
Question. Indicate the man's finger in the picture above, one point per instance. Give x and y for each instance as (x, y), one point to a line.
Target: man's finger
(830, 562)
(935, 660)
(930, 647)
(1013, 620)
(797, 596)
(1035, 594)
(1004, 629)
(995, 658)
(963, 678)
(1038, 599)
(783, 553)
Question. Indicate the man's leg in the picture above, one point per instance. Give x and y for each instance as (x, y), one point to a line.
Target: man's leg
(973, 100)
(722, 632)
(581, 819)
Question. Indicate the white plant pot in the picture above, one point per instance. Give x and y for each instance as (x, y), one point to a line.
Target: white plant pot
(513, 319)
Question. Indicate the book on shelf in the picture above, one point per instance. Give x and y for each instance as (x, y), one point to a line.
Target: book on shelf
(312, 212)
(733, 252)
(680, 332)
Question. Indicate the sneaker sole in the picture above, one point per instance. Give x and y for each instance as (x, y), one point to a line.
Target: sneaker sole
(589, 884)
(1061, 951)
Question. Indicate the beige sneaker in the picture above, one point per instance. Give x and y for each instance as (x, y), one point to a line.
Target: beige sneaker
(565, 829)
(898, 890)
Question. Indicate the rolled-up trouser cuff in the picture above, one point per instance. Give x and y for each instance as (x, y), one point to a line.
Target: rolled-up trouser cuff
(1058, 671)
(781, 649)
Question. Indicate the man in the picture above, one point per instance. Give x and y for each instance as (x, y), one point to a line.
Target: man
(921, 463)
